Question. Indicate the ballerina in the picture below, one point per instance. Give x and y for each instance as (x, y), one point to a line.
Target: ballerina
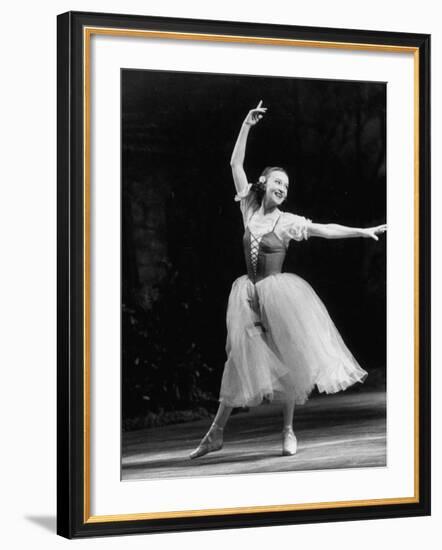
(281, 341)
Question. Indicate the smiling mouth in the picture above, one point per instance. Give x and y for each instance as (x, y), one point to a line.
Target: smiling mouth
(279, 195)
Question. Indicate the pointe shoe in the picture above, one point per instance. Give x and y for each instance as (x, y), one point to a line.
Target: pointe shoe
(289, 442)
(212, 441)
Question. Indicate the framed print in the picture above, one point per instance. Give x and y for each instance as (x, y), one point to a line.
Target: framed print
(243, 274)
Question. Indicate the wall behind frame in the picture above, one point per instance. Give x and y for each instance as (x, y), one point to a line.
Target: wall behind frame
(27, 223)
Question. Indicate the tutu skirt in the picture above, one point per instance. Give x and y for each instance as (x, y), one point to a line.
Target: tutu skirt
(281, 343)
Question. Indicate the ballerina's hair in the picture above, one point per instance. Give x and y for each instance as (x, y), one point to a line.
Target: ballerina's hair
(259, 188)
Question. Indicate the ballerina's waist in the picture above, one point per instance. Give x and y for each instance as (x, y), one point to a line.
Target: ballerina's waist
(261, 276)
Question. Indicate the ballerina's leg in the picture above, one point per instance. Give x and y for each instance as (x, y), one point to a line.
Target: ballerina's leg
(288, 410)
(222, 415)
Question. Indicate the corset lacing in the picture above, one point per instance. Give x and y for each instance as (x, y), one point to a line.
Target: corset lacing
(254, 247)
(254, 251)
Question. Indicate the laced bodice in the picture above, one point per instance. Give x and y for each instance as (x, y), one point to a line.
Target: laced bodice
(266, 238)
(264, 256)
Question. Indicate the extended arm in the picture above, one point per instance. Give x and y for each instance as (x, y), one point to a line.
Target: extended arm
(239, 151)
(335, 231)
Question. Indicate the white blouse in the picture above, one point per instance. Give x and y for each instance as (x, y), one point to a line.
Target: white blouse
(288, 226)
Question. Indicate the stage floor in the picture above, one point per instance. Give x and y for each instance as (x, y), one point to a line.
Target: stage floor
(346, 430)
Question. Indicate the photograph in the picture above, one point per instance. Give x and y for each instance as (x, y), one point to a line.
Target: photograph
(226, 216)
(253, 274)
(243, 274)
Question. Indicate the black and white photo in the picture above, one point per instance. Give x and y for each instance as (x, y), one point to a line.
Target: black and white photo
(253, 274)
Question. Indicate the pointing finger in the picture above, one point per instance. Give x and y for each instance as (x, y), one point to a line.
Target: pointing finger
(259, 104)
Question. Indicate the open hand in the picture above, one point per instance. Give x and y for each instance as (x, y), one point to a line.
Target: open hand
(255, 115)
(373, 232)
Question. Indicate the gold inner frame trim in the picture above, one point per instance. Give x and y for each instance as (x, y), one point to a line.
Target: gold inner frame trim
(248, 510)
(265, 41)
(87, 34)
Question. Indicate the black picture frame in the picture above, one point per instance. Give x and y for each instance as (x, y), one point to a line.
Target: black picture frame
(74, 519)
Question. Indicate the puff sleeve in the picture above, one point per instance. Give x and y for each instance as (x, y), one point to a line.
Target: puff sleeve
(292, 226)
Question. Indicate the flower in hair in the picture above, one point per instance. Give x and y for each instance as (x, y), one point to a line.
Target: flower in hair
(262, 179)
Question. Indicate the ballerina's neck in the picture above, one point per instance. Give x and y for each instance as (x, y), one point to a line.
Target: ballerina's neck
(264, 210)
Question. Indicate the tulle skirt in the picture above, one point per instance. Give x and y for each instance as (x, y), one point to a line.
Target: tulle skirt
(281, 342)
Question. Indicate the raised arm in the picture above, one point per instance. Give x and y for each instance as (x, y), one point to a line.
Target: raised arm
(239, 151)
(335, 231)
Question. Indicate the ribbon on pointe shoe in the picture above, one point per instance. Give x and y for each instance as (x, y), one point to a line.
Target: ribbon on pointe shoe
(212, 441)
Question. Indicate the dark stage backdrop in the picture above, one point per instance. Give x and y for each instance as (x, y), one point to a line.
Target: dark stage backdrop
(182, 230)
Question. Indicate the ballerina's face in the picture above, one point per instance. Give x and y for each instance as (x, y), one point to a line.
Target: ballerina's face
(277, 186)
